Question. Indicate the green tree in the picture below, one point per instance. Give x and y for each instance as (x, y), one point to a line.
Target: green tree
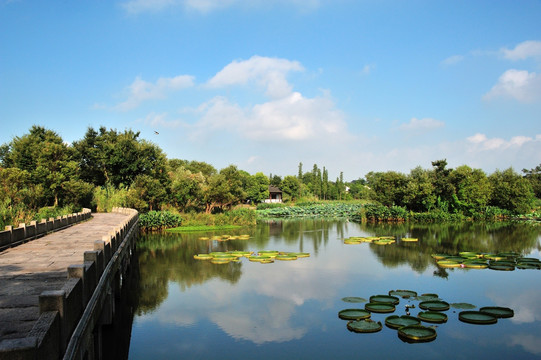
(47, 160)
(257, 188)
(419, 192)
(118, 158)
(187, 189)
(234, 179)
(216, 193)
(146, 193)
(511, 191)
(291, 187)
(472, 189)
(534, 177)
(443, 188)
(202, 167)
(358, 189)
(387, 187)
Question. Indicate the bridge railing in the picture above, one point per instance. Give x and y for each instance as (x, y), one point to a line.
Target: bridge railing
(70, 318)
(13, 236)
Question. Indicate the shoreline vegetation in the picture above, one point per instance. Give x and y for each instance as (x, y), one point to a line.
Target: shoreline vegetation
(42, 176)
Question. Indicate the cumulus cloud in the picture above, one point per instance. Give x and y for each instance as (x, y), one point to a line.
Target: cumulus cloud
(293, 117)
(520, 85)
(523, 51)
(140, 90)
(205, 6)
(422, 124)
(268, 73)
(482, 142)
(160, 120)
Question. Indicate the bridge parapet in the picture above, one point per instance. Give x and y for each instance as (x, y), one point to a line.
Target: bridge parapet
(13, 236)
(70, 318)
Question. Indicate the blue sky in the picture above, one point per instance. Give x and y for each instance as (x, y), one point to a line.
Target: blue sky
(352, 85)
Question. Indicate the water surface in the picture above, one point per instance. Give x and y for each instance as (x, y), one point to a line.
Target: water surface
(289, 309)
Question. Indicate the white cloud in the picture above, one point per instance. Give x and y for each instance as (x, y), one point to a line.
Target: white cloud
(452, 60)
(141, 90)
(293, 118)
(523, 51)
(268, 73)
(529, 342)
(422, 124)
(160, 120)
(520, 85)
(481, 142)
(205, 6)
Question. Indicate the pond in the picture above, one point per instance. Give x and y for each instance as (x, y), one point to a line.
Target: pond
(195, 309)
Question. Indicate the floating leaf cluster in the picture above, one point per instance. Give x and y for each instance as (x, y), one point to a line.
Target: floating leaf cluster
(409, 328)
(475, 260)
(263, 256)
(377, 240)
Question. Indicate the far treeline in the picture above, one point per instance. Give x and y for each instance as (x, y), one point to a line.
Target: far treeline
(40, 173)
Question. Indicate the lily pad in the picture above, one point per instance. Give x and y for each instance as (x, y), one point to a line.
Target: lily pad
(470, 254)
(364, 326)
(395, 321)
(383, 241)
(448, 263)
(405, 294)
(501, 267)
(439, 256)
(409, 239)
(379, 307)
(354, 299)
(354, 314)
(298, 254)
(286, 257)
(239, 253)
(434, 305)
(528, 266)
(259, 258)
(417, 333)
(426, 297)
(475, 264)
(202, 257)
(432, 316)
(222, 260)
(271, 253)
(384, 299)
(477, 317)
(498, 311)
(494, 257)
(463, 306)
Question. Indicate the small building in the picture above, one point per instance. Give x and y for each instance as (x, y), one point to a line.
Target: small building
(275, 195)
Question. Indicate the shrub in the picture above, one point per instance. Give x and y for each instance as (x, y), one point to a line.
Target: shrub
(158, 220)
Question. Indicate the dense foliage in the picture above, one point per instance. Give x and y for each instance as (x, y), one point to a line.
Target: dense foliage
(158, 220)
(108, 168)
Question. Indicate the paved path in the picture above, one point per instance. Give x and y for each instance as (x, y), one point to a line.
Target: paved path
(42, 264)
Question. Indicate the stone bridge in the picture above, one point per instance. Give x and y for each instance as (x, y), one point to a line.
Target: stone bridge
(58, 291)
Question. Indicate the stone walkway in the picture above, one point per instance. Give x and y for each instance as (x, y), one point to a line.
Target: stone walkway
(42, 264)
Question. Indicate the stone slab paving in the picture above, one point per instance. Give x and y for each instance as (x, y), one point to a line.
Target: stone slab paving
(42, 264)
